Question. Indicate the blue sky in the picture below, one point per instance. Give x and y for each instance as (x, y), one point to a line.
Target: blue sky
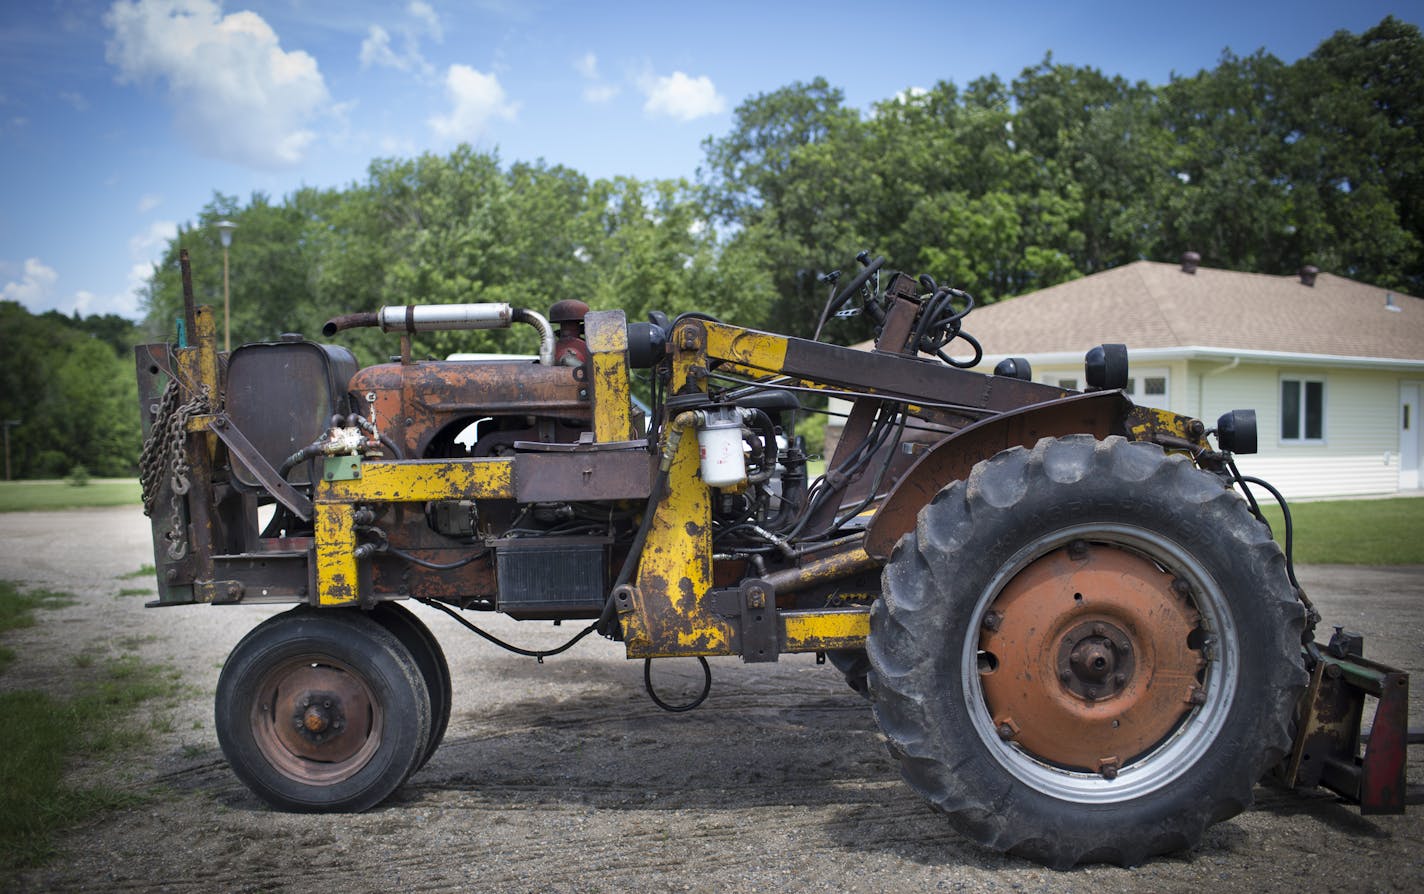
(120, 118)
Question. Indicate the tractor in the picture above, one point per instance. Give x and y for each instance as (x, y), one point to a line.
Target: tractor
(1066, 611)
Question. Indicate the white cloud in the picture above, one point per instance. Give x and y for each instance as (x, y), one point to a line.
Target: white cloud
(376, 49)
(237, 95)
(149, 201)
(83, 301)
(34, 288)
(596, 91)
(679, 96)
(149, 243)
(475, 99)
(587, 66)
(425, 15)
(76, 100)
(600, 93)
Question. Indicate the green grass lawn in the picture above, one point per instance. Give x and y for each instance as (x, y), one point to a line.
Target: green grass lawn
(1354, 532)
(23, 496)
(42, 735)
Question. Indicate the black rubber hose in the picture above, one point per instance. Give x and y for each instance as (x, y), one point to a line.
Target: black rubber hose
(540, 655)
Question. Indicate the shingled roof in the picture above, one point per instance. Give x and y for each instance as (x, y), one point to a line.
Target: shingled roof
(1147, 304)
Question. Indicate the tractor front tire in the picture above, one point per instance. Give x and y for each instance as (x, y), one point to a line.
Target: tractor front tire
(322, 711)
(1086, 652)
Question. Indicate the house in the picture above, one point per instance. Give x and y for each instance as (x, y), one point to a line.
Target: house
(1333, 368)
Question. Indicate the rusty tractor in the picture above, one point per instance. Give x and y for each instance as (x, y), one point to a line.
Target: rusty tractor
(1070, 620)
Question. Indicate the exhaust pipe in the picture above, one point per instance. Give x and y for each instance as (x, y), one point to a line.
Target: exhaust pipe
(413, 318)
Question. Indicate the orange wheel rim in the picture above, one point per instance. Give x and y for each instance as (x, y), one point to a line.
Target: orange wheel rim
(1089, 657)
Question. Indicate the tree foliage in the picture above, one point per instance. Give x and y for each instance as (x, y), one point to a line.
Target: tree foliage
(998, 188)
(69, 383)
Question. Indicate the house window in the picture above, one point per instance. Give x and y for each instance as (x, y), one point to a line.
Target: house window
(1302, 410)
(1148, 387)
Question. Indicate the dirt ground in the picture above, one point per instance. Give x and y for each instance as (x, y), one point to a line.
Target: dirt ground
(565, 777)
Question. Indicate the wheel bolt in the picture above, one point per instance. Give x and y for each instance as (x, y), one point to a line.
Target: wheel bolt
(992, 620)
(1197, 696)
(1108, 769)
(1006, 731)
(1120, 679)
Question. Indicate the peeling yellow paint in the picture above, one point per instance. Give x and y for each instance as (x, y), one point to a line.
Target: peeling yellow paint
(416, 481)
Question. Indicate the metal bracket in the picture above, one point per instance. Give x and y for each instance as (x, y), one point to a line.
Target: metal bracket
(1327, 749)
(341, 468)
(753, 606)
(239, 446)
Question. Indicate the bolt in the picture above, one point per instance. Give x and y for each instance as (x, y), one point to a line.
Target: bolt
(756, 598)
(1197, 696)
(1120, 679)
(1092, 694)
(1196, 428)
(1005, 731)
(234, 590)
(1078, 550)
(1182, 588)
(1099, 630)
(1107, 768)
(1065, 675)
(992, 620)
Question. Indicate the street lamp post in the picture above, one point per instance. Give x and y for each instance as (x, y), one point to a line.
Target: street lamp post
(225, 228)
(8, 424)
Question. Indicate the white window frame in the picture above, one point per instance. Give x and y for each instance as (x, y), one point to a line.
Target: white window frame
(1303, 381)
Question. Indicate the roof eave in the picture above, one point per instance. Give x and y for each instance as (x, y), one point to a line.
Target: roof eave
(1198, 352)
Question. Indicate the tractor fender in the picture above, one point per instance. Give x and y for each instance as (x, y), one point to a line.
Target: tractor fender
(1098, 413)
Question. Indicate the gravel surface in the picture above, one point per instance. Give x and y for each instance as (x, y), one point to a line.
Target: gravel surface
(564, 777)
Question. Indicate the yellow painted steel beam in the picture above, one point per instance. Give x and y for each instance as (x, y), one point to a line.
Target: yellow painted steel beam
(746, 347)
(822, 629)
(337, 575)
(672, 615)
(416, 481)
(606, 332)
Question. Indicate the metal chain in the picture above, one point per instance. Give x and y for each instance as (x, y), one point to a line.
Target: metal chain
(165, 455)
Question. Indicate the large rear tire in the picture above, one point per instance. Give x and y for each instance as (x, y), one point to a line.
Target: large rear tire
(1086, 652)
(322, 711)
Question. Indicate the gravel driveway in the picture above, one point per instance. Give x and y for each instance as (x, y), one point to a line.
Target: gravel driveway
(564, 777)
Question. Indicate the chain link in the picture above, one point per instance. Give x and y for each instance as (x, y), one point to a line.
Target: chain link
(165, 456)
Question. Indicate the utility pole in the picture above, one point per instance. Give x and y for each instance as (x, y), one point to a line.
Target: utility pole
(8, 424)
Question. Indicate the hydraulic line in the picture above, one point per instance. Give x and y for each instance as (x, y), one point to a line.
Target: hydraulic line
(538, 655)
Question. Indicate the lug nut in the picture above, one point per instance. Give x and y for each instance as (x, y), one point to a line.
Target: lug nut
(1005, 731)
(992, 621)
